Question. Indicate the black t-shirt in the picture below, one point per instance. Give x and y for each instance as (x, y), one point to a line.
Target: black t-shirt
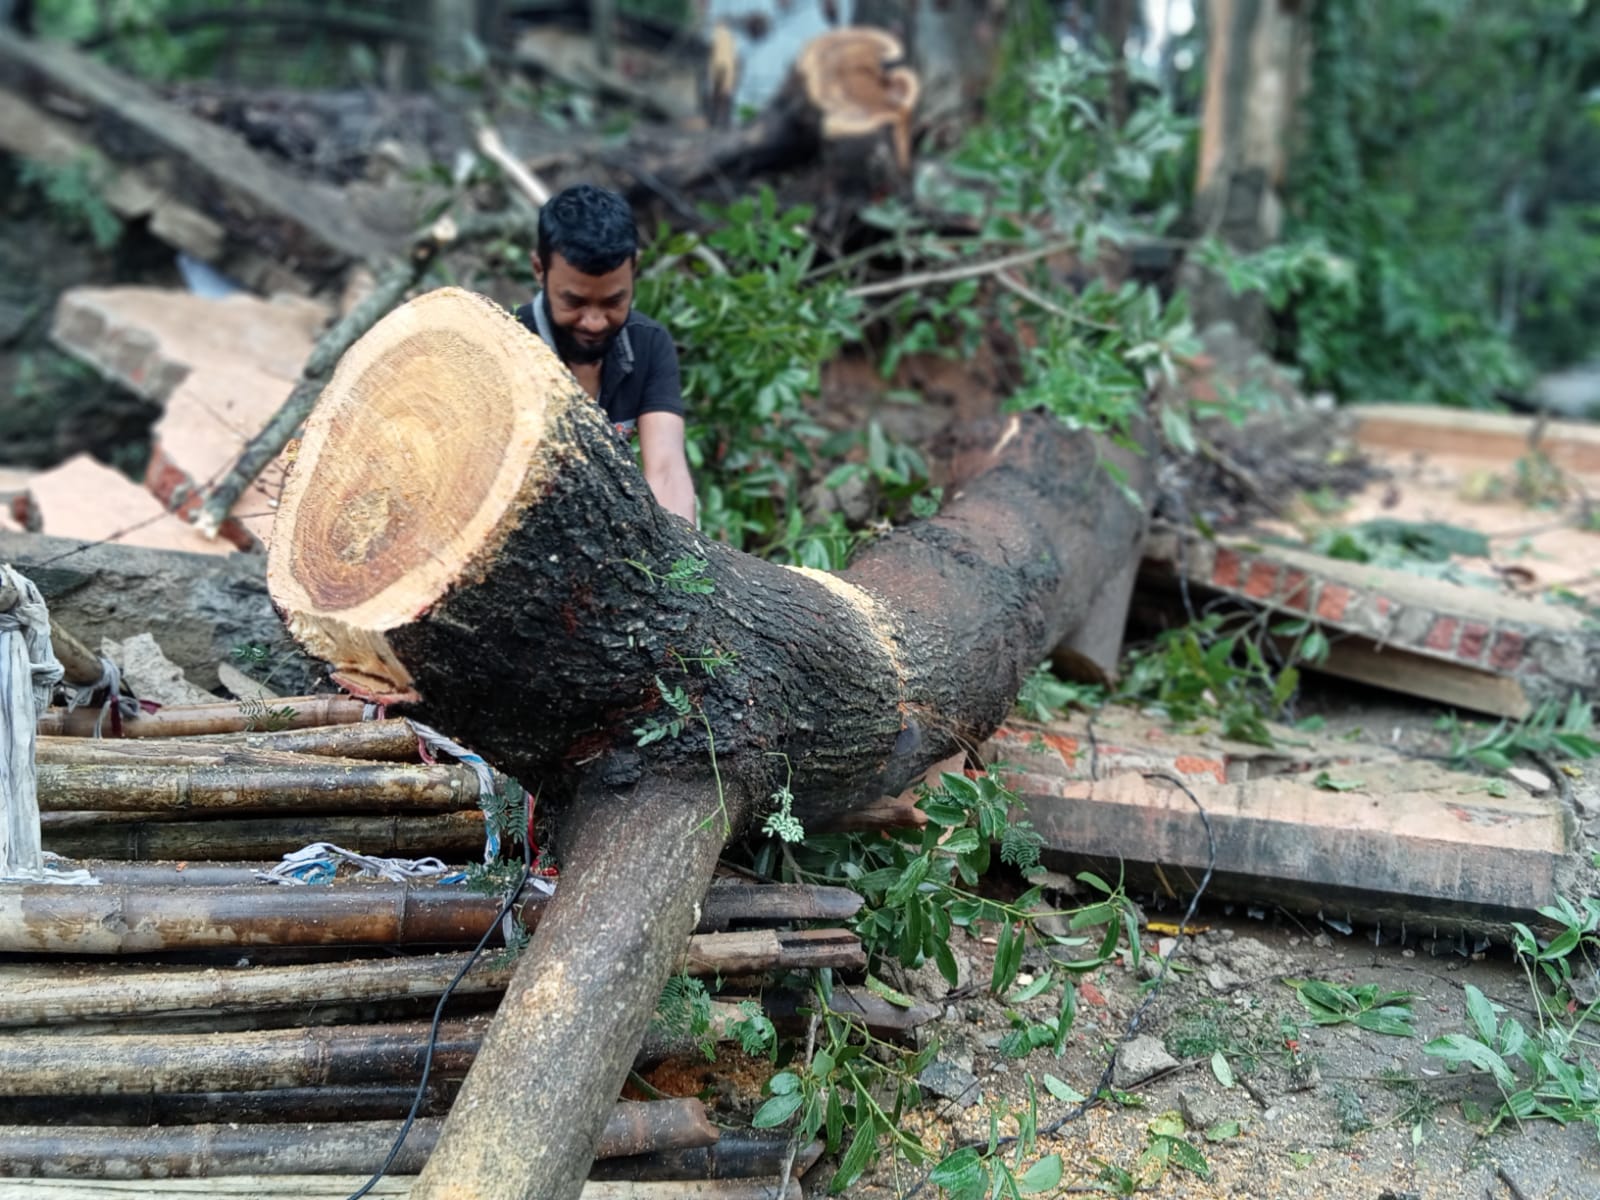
(640, 373)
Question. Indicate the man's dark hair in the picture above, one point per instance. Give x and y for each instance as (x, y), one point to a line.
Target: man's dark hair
(590, 227)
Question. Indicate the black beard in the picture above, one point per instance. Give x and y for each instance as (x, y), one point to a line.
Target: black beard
(572, 351)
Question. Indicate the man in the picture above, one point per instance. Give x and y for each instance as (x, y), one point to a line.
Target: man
(585, 263)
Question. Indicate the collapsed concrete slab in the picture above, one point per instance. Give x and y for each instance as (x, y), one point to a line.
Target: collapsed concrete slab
(1464, 646)
(1387, 840)
(221, 367)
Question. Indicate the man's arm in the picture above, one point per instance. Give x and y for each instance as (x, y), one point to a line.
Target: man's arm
(666, 467)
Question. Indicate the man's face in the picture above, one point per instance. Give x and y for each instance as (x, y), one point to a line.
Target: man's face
(586, 311)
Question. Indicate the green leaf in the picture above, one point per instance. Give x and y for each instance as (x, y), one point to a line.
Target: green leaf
(1458, 1048)
(1221, 1069)
(1482, 1012)
(783, 1083)
(777, 1110)
(1037, 988)
(1062, 1090)
(856, 1158)
(910, 879)
(1222, 1131)
(961, 1175)
(1187, 1157)
(879, 988)
(1329, 783)
(1392, 1020)
(946, 962)
(1042, 1176)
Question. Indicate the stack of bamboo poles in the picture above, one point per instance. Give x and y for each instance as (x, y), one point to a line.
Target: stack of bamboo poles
(183, 1020)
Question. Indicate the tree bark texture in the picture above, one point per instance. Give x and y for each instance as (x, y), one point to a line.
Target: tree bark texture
(488, 556)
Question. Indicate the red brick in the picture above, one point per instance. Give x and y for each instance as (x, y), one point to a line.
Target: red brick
(1474, 637)
(1332, 601)
(1225, 574)
(1442, 634)
(1506, 653)
(1296, 589)
(1383, 604)
(1263, 580)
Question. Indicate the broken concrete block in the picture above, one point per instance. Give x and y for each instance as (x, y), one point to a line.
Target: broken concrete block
(221, 367)
(1414, 842)
(150, 674)
(1140, 1058)
(89, 501)
(1445, 641)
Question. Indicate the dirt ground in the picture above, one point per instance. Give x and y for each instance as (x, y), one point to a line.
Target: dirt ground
(1321, 1112)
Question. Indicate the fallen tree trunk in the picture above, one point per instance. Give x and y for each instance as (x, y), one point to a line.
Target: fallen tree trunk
(190, 1151)
(551, 576)
(450, 836)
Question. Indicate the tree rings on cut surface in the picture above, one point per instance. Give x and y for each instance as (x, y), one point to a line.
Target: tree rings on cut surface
(857, 79)
(421, 450)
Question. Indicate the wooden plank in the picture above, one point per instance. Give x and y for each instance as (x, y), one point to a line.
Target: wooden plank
(1570, 445)
(1430, 678)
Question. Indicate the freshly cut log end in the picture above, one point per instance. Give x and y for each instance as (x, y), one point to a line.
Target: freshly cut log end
(433, 429)
(857, 80)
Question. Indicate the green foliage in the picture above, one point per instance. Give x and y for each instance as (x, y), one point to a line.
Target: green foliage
(1043, 696)
(72, 190)
(1553, 731)
(505, 810)
(1215, 668)
(998, 1172)
(754, 1031)
(1450, 170)
(684, 1012)
(679, 706)
(261, 717)
(752, 342)
(1367, 1006)
(686, 576)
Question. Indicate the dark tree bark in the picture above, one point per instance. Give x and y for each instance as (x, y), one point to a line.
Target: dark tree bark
(464, 537)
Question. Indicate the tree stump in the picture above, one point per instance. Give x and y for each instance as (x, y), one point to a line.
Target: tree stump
(464, 537)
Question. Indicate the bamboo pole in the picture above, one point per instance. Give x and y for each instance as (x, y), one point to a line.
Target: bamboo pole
(390, 1187)
(364, 741)
(228, 716)
(131, 919)
(756, 951)
(391, 740)
(322, 785)
(100, 1065)
(450, 836)
(182, 1152)
(388, 1102)
(737, 1154)
(70, 994)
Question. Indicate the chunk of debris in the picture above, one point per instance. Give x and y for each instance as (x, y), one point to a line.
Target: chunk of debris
(1141, 1058)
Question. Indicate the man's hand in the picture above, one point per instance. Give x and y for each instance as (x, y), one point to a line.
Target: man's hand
(666, 467)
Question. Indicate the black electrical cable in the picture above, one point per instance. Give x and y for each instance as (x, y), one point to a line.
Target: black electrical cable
(438, 1014)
